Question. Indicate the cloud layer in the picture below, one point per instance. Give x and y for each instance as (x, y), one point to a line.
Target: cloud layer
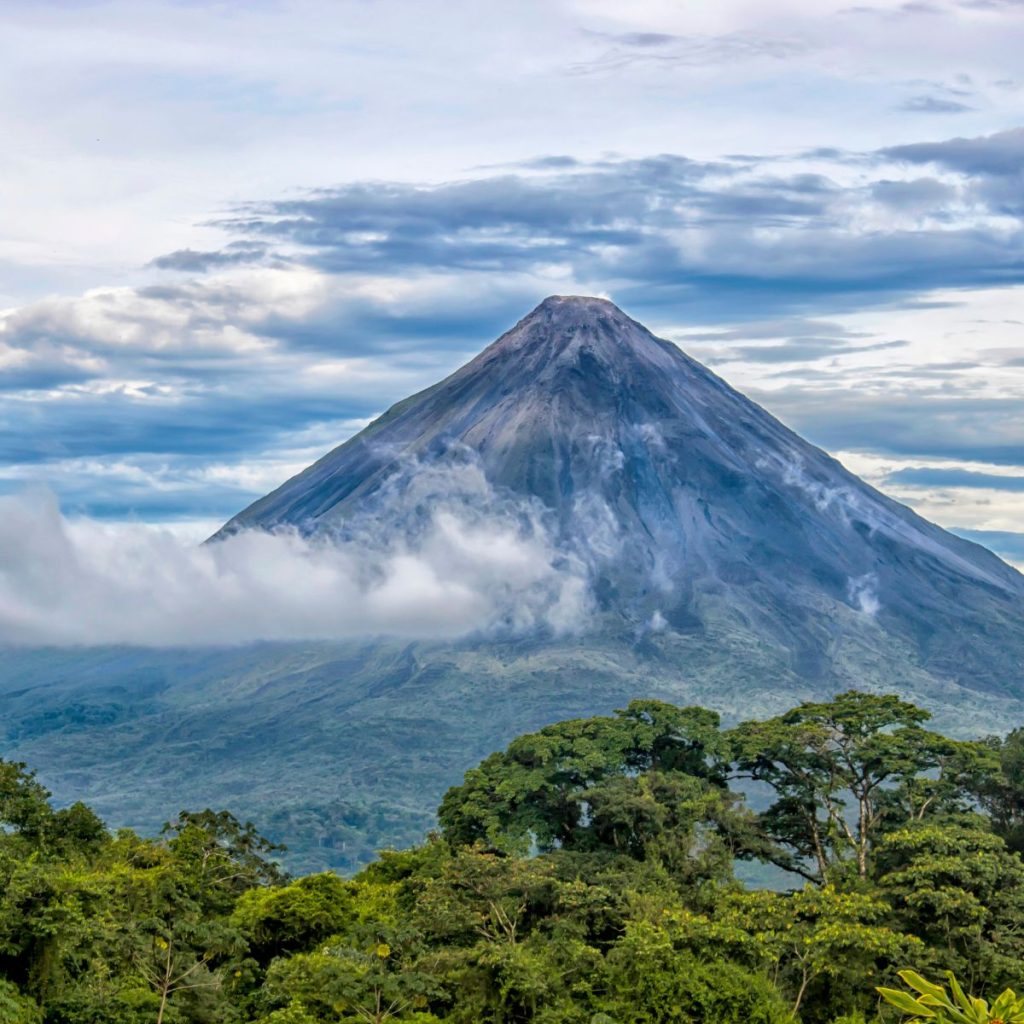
(83, 582)
(130, 122)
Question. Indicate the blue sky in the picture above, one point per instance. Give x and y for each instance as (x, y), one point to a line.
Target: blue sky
(232, 233)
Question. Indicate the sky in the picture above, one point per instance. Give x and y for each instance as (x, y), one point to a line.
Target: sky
(233, 233)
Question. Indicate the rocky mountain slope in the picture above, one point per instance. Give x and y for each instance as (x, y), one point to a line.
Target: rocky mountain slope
(690, 506)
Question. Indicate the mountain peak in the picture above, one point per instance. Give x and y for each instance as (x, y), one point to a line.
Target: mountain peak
(689, 505)
(564, 329)
(576, 307)
(566, 312)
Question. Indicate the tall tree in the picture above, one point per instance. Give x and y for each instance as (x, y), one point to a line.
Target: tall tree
(571, 785)
(1001, 789)
(843, 772)
(957, 887)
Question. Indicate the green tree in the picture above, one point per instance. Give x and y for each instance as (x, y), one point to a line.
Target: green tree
(371, 976)
(650, 980)
(483, 895)
(16, 1008)
(219, 857)
(1000, 790)
(621, 783)
(843, 772)
(24, 802)
(819, 946)
(280, 920)
(958, 889)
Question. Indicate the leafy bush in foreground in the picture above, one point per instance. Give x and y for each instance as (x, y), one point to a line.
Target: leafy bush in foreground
(934, 1002)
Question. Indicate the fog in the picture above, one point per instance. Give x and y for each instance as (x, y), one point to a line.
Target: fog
(460, 571)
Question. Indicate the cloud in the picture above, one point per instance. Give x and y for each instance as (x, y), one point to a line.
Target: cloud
(1004, 543)
(951, 477)
(920, 195)
(123, 131)
(705, 235)
(991, 166)
(459, 573)
(793, 340)
(934, 105)
(904, 422)
(999, 154)
(192, 260)
(863, 593)
(991, 5)
(645, 39)
(803, 351)
(371, 290)
(665, 51)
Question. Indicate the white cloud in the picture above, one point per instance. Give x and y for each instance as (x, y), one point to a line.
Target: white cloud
(863, 591)
(82, 582)
(128, 123)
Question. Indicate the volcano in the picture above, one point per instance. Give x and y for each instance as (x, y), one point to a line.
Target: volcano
(726, 562)
(693, 509)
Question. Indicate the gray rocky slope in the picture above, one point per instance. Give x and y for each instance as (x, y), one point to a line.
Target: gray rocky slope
(730, 563)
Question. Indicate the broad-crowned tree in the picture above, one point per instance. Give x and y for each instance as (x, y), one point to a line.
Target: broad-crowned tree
(845, 771)
(642, 783)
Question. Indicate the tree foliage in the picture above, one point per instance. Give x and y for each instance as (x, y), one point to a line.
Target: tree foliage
(584, 875)
(845, 771)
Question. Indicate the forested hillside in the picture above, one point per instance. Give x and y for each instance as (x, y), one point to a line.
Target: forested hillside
(585, 875)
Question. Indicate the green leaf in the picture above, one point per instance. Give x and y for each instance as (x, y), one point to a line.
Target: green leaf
(926, 988)
(905, 1003)
(958, 992)
(1003, 1005)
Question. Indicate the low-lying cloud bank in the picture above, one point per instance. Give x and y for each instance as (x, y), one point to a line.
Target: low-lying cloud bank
(80, 582)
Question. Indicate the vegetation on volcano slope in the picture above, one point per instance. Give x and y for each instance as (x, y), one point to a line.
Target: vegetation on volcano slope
(582, 876)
